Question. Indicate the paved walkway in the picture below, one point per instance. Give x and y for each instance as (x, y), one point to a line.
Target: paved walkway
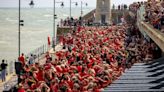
(12, 78)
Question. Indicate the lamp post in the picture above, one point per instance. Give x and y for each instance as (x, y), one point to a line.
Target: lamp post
(70, 16)
(21, 23)
(71, 7)
(54, 25)
(82, 7)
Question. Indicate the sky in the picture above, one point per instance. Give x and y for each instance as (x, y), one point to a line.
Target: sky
(49, 3)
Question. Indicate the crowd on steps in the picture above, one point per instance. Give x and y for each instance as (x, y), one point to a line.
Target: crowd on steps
(96, 56)
(153, 12)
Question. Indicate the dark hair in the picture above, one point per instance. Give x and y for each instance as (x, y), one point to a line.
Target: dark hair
(3, 61)
(63, 88)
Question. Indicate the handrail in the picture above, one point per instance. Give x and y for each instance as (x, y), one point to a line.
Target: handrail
(148, 30)
(11, 65)
(38, 52)
(154, 34)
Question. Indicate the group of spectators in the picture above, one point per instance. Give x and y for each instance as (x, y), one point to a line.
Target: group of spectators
(153, 12)
(70, 21)
(135, 6)
(120, 7)
(74, 22)
(95, 57)
(139, 48)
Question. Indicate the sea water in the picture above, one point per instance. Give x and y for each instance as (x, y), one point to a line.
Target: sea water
(38, 25)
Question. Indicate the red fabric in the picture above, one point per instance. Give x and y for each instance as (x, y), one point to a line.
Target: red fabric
(65, 70)
(97, 90)
(47, 66)
(79, 29)
(54, 88)
(69, 90)
(71, 41)
(40, 76)
(74, 49)
(59, 69)
(70, 84)
(79, 68)
(71, 60)
(22, 60)
(21, 90)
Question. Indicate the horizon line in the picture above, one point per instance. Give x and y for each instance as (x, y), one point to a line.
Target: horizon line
(48, 7)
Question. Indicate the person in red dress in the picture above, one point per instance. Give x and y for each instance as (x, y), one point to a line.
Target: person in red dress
(22, 59)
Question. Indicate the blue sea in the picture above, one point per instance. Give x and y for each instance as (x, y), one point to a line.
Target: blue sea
(38, 25)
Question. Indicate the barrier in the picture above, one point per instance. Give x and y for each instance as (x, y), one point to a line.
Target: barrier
(148, 30)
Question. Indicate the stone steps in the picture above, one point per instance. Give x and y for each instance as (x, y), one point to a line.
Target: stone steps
(141, 77)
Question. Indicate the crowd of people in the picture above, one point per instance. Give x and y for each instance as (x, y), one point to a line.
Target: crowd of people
(120, 7)
(139, 48)
(68, 22)
(135, 6)
(153, 12)
(95, 57)
(74, 22)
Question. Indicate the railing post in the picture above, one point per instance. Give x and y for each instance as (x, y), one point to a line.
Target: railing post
(38, 52)
(7, 69)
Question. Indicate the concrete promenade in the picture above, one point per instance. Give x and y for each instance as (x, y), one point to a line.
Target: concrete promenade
(11, 79)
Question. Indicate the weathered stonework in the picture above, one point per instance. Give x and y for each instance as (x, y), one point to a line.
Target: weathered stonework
(103, 11)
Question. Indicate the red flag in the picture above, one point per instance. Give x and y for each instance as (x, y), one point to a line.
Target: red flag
(49, 42)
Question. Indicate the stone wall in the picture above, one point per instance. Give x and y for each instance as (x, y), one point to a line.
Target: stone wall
(62, 30)
(117, 14)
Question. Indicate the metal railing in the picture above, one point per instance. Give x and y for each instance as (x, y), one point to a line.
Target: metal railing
(38, 52)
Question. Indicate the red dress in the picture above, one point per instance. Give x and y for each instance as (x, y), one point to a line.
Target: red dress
(40, 76)
(22, 60)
